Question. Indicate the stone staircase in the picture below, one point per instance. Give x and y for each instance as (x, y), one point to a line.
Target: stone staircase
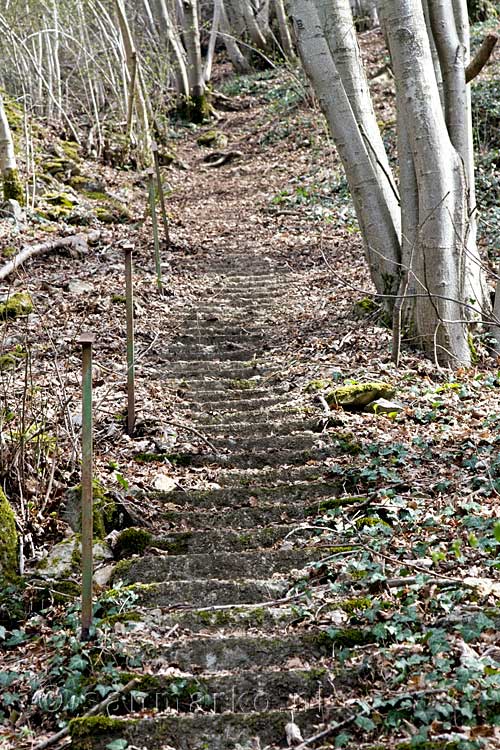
(220, 581)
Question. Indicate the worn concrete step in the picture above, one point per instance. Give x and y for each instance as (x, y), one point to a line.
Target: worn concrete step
(239, 618)
(275, 457)
(214, 396)
(207, 592)
(176, 353)
(270, 476)
(192, 731)
(264, 428)
(241, 496)
(257, 405)
(195, 327)
(201, 338)
(245, 691)
(218, 565)
(229, 540)
(236, 370)
(297, 441)
(215, 652)
(214, 418)
(237, 518)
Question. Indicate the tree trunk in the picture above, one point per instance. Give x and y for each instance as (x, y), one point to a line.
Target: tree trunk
(285, 36)
(438, 259)
(197, 103)
(238, 59)
(12, 187)
(378, 227)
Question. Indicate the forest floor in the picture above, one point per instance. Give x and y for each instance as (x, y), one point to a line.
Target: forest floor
(416, 583)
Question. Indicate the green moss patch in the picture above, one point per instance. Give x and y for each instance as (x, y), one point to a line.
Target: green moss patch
(10, 359)
(9, 542)
(16, 305)
(131, 541)
(358, 395)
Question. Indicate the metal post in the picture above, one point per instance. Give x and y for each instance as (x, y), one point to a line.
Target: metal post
(129, 291)
(154, 148)
(152, 208)
(86, 340)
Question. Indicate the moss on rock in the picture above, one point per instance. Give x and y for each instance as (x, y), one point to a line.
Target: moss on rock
(131, 541)
(16, 305)
(12, 186)
(358, 395)
(9, 542)
(10, 359)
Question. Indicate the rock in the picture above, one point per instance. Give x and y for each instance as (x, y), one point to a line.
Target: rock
(103, 575)
(11, 209)
(8, 540)
(80, 287)
(383, 406)
(61, 560)
(16, 305)
(213, 138)
(131, 541)
(64, 558)
(164, 483)
(358, 395)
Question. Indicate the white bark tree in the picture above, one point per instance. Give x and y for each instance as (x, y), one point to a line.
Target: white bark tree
(422, 253)
(12, 187)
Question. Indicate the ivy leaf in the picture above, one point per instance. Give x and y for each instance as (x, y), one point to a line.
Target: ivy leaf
(117, 745)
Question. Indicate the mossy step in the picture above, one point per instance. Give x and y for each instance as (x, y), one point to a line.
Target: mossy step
(218, 565)
(240, 496)
(230, 540)
(231, 394)
(260, 428)
(198, 354)
(202, 338)
(241, 692)
(191, 731)
(212, 418)
(220, 652)
(202, 382)
(241, 618)
(208, 592)
(243, 404)
(209, 337)
(271, 476)
(298, 441)
(236, 518)
(259, 459)
(183, 369)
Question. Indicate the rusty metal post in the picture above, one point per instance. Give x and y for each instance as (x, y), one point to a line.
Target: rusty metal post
(154, 148)
(129, 291)
(86, 340)
(152, 208)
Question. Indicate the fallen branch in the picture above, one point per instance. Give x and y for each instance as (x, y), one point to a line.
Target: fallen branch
(195, 432)
(92, 712)
(75, 241)
(481, 57)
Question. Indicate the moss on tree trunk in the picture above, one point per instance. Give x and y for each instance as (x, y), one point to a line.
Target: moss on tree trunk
(12, 186)
(8, 540)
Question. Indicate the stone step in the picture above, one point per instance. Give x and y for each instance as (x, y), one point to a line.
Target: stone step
(263, 428)
(259, 459)
(192, 731)
(257, 405)
(242, 370)
(279, 412)
(241, 618)
(202, 395)
(244, 691)
(260, 444)
(237, 518)
(229, 540)
(208, 592)
(232, 497)
(216, 652)
(195, 327)
(176, 353)
(270, 475)
(201, 338)
(218, 565)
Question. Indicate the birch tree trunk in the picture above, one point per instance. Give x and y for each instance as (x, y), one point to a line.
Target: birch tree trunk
(368, 184)
(285, 36)
(12, 187)
(430, 266)
(197, 102)
(238, 59)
